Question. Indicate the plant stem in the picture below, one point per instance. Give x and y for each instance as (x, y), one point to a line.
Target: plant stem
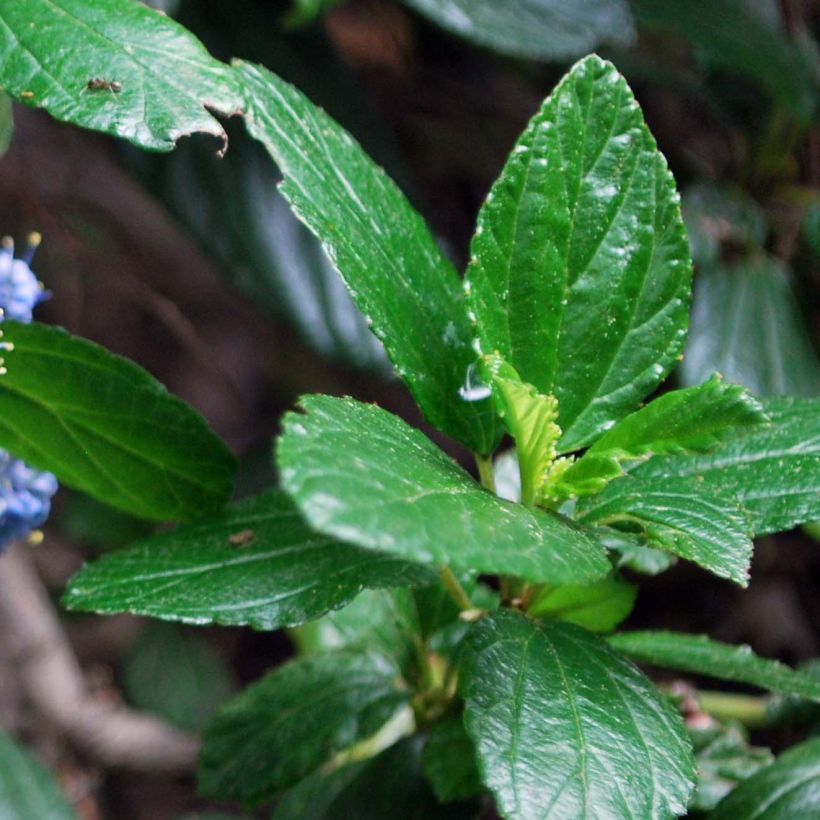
(457, 593)
(485, 471)
(750, 710)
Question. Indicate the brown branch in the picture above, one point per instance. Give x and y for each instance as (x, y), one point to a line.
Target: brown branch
(110, 733)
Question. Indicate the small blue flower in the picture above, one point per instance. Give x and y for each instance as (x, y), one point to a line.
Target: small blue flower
(25, 493)
(20, 289)
(25, 497)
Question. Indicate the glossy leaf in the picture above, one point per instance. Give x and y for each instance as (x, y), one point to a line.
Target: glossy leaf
(747, 324)
(681, 517)
(774, 471)
(176, 675)
(115, 66)
(702, 656)
(103, 425)
(581, 274)
(787, 789)
(258, 565)
(27, 790)
(695, 419)
(363, 475)
(534, 29)
(287, 725)
(566, 727)
(598, 607)
(449, 762)
(753, 45)
(381, 247)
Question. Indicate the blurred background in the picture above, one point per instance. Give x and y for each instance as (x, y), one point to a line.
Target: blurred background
(194, 267)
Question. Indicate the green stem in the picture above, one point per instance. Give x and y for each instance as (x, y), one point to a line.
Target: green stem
(457, 593)
(750, 710)
(485, 472)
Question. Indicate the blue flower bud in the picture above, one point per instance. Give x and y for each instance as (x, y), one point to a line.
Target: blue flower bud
(20, 289)
(25, 497)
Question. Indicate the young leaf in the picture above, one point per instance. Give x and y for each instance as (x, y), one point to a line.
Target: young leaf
(115, 66)
(449, 762)
(581, 274)
(381, 247)
(747, 324)
(529, 416)
(363, 475)
(695, 419)
(294, 720)
(534, 29)
(679, 516)
(598, 607)
(703, 656)
(27, 789)
(106, 427)
(787, 789)
(773, 471)
(258, 564)
(566, 727)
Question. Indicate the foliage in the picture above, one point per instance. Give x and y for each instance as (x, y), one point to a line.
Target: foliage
(413, 677)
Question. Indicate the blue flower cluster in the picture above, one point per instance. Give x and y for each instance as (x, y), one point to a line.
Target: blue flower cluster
(25, 493)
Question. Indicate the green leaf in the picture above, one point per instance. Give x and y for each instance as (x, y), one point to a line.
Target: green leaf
(258, 564)
(176, 675)
(449, 762)
(294, 720)
(106, 427)
(566, 727)
(529, 417)
(703, 656)
(381, 247)
(28, 791)
(725, 758)
(773, 471)
(581, 274)
(534, 29)
(787, 789)
(753, 44)
(695, 419)
(363, 475)
(747, 324)
(719, 217)
(6, 123)
(66, 55)
(599, 607)
(681, 517)
(305, 12)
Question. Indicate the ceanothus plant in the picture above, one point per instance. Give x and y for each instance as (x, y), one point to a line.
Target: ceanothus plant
(456, 649)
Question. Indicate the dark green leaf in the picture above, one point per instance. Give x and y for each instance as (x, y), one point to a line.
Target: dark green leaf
(106, 427)
(702, 656)
(450, 763)
(811, 227)
(258, 565)
(599, 607)
(695, 419)
(306, 11)
(747, 325)
(294, 720)
(115, 66)
(788, 789)
(27, 789)
(534, 29)
(725, 758)
(566, 727)
(753, 44)
(774, 471)
(581, 274)
(6, 123)
(363, 475)
(680, 516)
(383, 250)
(177, 676)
